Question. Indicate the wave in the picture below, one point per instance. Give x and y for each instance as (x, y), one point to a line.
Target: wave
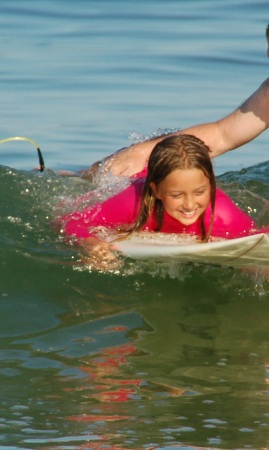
(31, 200)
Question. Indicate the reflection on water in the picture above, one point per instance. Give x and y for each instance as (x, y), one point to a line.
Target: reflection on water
(172, 365)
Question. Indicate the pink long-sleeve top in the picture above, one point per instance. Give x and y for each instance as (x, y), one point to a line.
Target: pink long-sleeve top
(122, 209)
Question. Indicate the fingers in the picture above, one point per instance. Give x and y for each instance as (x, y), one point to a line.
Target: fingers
(101, 257)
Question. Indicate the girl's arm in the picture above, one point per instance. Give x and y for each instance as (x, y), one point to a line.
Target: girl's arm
(115, 212)
(98, 254)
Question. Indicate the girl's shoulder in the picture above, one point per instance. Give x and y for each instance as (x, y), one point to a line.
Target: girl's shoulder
(226, 207)
(131, 194)
(222, 196)
(229, 219)
(225, 203)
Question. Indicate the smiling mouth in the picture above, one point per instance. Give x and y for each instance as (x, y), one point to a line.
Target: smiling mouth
(189, 213)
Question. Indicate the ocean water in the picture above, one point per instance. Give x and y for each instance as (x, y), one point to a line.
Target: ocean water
(150, 356)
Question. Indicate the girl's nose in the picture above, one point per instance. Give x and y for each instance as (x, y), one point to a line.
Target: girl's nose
(188, 203)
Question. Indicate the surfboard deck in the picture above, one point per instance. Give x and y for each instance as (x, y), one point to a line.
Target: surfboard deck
(248, 251)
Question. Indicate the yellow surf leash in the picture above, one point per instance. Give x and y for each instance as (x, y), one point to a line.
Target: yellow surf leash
(23, 138)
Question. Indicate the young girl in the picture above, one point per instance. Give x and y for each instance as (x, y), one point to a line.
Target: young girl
(179, 195)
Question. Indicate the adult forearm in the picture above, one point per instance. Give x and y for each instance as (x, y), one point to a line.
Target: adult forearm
(241, 126)
(228, 133)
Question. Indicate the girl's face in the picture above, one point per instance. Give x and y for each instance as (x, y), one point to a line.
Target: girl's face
(185, 194)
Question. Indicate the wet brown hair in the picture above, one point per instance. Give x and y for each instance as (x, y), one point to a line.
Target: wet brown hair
(175, 152)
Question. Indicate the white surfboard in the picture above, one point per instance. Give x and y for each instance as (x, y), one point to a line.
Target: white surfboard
(249, 251)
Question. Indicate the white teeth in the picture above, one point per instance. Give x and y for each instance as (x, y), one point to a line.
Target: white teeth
(190, 213)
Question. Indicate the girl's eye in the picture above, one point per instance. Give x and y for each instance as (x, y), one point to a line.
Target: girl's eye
(200, 192)
(176, 195)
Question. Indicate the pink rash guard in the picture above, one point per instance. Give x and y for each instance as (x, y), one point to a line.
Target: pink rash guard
(122, 209)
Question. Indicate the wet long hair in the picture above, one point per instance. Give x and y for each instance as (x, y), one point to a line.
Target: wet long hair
(172, 153)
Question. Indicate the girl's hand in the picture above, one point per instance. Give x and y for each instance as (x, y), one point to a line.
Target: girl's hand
(100, 255)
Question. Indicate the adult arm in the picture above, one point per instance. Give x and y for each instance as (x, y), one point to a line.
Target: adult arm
(241, 126)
